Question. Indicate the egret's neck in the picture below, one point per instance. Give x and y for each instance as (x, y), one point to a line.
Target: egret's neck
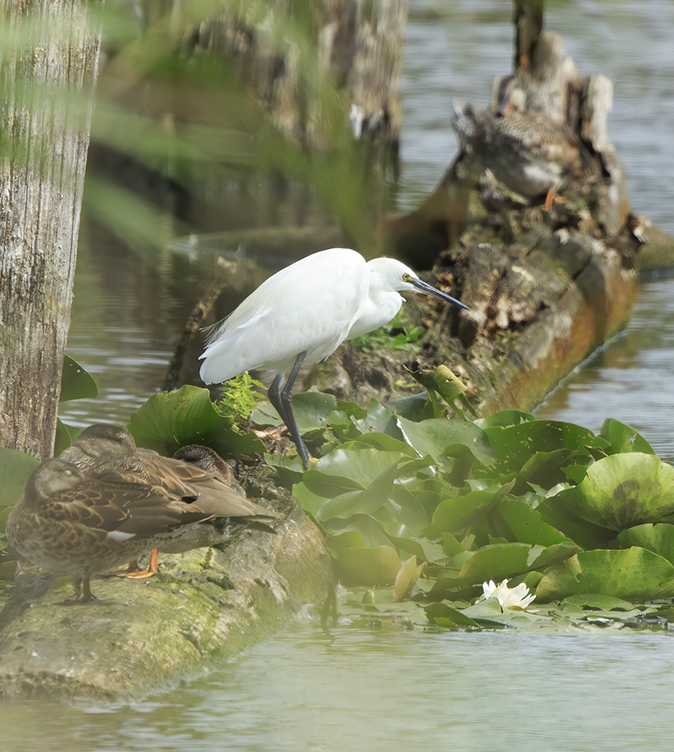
(375, 311)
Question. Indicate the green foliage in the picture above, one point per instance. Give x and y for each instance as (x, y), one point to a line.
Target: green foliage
(546, 503)
(76, 383)
(240, 396)
(170, 420)
(398, 334)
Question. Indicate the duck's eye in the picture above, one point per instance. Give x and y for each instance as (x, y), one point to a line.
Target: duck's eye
(406, 277)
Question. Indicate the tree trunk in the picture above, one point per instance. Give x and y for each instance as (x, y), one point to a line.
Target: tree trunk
(47, 79)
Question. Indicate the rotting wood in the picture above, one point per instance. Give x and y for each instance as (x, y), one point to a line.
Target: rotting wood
(45, 123)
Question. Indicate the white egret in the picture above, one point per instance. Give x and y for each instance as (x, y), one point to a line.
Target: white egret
(302, 314)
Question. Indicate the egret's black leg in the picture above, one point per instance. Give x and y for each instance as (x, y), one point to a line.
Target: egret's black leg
(282, 401)
(275, 398)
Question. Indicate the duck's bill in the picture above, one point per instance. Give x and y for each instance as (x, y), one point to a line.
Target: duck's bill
(430, 290)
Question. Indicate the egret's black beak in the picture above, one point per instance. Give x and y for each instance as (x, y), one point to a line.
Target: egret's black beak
(430, 290)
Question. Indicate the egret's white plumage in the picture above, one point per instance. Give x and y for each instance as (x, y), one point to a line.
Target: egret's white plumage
(303, 314)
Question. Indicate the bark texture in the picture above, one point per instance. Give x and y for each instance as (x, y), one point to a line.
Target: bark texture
(46, 81)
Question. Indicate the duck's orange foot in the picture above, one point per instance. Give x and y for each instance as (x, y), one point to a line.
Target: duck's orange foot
(551, 199)
(134, 572)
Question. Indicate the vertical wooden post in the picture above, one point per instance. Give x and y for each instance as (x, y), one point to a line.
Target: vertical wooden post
(47, 73)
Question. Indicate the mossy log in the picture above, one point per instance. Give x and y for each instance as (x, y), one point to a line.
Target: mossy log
(143, 636)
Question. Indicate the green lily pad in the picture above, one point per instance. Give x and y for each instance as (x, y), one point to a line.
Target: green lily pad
(505, 418)
(622, 491)
(505, 560)
(456, 514)
(370, 534)
(170, 420)
(518, 521)
(436, 437)
(349, 470)
(312, 409)
(446, 616)
(555, 512)
(623, 438)
(364, 501)
(658, 538)
(516, 445)
(415, 407)
(379, 419)
(596, 602)
(634, 574)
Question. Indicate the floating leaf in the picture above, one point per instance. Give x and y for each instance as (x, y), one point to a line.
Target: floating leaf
(555, 512)
(446, 616)
(312, 409)
(500, 561)
(595, 602)
(454, 515)
(518, 521)
(365, 501)
(505, 418)
(516, 445)
(343, 470)
(633, 574)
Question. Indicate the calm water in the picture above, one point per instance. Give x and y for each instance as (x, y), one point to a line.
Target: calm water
(384, 691)
(391, 688)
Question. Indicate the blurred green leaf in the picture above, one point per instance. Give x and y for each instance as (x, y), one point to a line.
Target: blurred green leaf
(76, 383)
(367, 566)
(15, 469)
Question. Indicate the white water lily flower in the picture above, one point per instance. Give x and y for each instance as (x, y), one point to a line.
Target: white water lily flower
(517, 597)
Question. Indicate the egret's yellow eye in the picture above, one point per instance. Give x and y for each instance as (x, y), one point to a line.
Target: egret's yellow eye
(406, 277)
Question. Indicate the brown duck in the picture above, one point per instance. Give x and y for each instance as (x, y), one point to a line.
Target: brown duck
(196, 472)
(528, 152)
(67, 523)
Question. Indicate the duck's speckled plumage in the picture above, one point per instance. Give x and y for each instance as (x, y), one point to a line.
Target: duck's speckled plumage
(528, 152)
(103, 447)
(67, 523)
(195, 471)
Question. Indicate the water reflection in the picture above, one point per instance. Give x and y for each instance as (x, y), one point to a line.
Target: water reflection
(630, 378)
